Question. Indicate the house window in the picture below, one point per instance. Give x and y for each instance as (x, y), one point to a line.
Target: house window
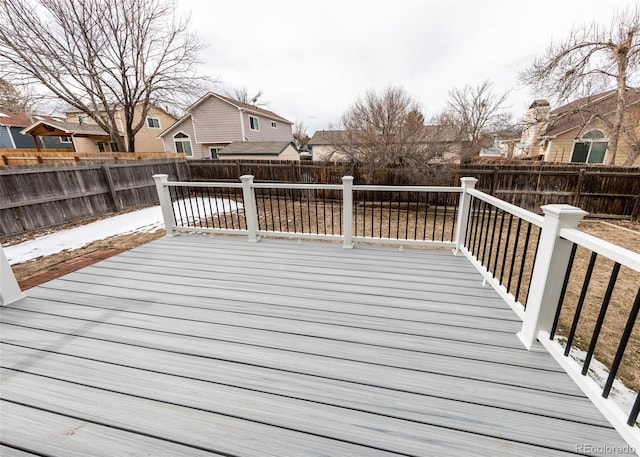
(153, 122)
(183, 144)
(101, 147)
(113, 146)
(253, 123)
(213, 152)
(65, 139)
(590, 148)
(274, 125)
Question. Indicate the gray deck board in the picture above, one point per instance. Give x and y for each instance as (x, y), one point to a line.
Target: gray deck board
(198, 344)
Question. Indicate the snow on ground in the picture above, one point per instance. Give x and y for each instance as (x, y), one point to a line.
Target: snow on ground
(620, 394)
(143, 220)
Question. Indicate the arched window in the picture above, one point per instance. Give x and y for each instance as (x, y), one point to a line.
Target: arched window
(182, 143)
(590, 147)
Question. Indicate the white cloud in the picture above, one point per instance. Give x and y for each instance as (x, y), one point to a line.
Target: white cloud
(312, 58)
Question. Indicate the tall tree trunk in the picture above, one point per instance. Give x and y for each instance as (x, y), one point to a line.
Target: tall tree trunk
(620, 53)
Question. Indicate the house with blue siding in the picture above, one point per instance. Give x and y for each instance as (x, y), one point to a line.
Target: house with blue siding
(11, 126)
(215, 121)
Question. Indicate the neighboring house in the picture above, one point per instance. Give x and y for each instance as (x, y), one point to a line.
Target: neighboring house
(11, 126)
(215, 121)
(442, 141)
(579, 131)
(146, 139)
(81, 137)
(269, 150)
(324, 145)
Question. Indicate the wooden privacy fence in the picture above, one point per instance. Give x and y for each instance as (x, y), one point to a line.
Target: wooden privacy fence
(41, 196)
(600, 190)
(34, 157)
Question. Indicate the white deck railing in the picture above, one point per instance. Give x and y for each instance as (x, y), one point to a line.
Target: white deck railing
(536, 254)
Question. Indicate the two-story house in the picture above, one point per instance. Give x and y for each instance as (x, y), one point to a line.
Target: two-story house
(146, 140)
(580, 130)
(85, 136)
(215, 121)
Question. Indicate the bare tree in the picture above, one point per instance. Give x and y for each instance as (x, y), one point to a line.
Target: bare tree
(300, 136)
(15, 99)
(386, 130)
(593, 57)
(241, 94)
(100, 56)
(477, 112)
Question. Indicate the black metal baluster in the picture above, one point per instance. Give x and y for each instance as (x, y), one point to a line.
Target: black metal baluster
(273, 223)
(583, 294)
(626, 334)
(286, 207)
(493, 236)
(495, 261)
(506, 248)
(515, 252)
(444, 216)
(533, 264)
(563, 291)
(435, 219)
(454, 221)
(415, 227)
(426, 216)
(398, 218)
(524, 261)
(406, 222)
(390, 213)
(486, 236)
(471, 218)
(601, 316)
(293, 210)
(210, 208)
(633, 416)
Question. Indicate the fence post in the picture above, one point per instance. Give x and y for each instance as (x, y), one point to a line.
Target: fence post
(250, 207)
(463, 212)
(165, 203)
(347, 211)
(552, 261)
(9, 288)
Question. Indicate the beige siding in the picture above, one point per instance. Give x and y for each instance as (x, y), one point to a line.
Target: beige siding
(85, 145)
(146, 138)
(282, 131)
(216, 122)
(324, 152)
(561, 147)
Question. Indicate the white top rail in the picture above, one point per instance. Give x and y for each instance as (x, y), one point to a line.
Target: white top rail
(408, 188)
(616, 253)
(528, 216)
(203, 184)
(264, 185)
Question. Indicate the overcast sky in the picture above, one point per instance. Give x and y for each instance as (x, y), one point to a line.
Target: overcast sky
(313, 58)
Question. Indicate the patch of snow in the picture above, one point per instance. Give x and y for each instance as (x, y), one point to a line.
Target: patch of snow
(620, 394)
(144, 220)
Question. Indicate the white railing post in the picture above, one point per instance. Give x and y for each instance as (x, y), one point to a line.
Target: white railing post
(9, 288)
(463, 212)
(552, 260)
(165, 203)
(250, 207)
(347, 211)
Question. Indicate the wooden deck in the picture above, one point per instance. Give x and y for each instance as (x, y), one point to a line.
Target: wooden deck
(199, 345)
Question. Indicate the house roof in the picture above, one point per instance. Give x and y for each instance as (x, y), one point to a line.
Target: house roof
(433, 133)
(326, 137)
(61, 128)
(235, 103)
(578, 112)
(256, 148)
(11, 119)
